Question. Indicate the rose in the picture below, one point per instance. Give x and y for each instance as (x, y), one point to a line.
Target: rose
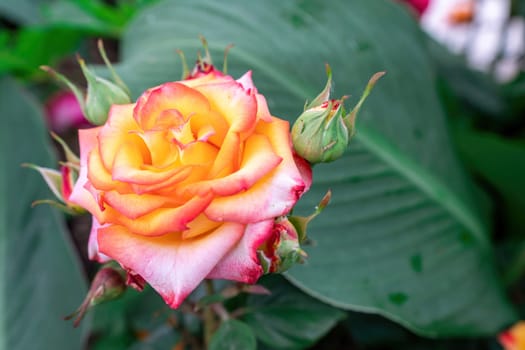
(185, 184)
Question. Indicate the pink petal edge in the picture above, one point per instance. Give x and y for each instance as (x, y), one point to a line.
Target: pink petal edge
(241, 264)
(172, 266)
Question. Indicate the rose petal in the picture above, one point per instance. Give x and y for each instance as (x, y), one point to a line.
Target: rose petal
(172, 95)
(163, 152)
(93, 252)
(172, 266)
(129, 167)
(118, 129)
(241, 263)
(258, 160)
(201, 224)
(212, 120)
(134, 205)
(263, 112)
(213, 77)
(80, 195)
(227, 160)
(305, 169)
(237, 106)
(164, 220)
(100, 177)
(273, 195)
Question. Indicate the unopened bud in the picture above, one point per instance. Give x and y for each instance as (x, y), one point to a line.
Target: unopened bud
(101, 93)
(320, 135)
(61, 182)
(322, 132)
(282, 250)
(107, 285)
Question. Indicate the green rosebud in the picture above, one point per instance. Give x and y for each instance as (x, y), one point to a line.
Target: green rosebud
(320, 135)
(322, 132)
(101, 93)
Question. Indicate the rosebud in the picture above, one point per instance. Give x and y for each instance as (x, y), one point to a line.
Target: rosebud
(282, 250)
(101, 93)
(107, 285)
(204, 65)
(320, 135)
(514, 338)
(323, 130)
(61, 182)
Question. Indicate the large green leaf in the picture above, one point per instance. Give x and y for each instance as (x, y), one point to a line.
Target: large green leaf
(40, 281)
(233, 335)
(287, 318)
(403, 236)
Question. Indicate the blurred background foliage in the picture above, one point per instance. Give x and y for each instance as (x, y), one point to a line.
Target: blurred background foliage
(423, 246)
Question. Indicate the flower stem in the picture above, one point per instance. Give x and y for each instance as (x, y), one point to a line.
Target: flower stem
(210, 321)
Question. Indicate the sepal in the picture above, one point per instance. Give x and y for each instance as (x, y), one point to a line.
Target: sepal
(101, 93)
(301, 222)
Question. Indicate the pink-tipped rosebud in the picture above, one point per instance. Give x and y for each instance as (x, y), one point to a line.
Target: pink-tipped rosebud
(61, 182)
(204, 65)
(107, 285)
(320, 135)
(282, 250)
(322, 132)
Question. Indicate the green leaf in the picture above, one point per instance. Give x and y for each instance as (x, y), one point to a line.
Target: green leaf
(233, 335)
(288, 318)
(135, 321)
(403, 236)
(499, 162)
(40, 278)
(36, 46)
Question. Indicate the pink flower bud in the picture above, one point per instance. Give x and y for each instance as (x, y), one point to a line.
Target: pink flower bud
(282, 250)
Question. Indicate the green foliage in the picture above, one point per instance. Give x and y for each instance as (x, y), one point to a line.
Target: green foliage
(233, 335)
(403, 236)
(40, 279)
(24, 51)
(94, 15)
(49, 30)
(288, 318)
(137, 321)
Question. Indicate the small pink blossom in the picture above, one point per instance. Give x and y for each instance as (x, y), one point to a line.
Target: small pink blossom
(63, 112)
